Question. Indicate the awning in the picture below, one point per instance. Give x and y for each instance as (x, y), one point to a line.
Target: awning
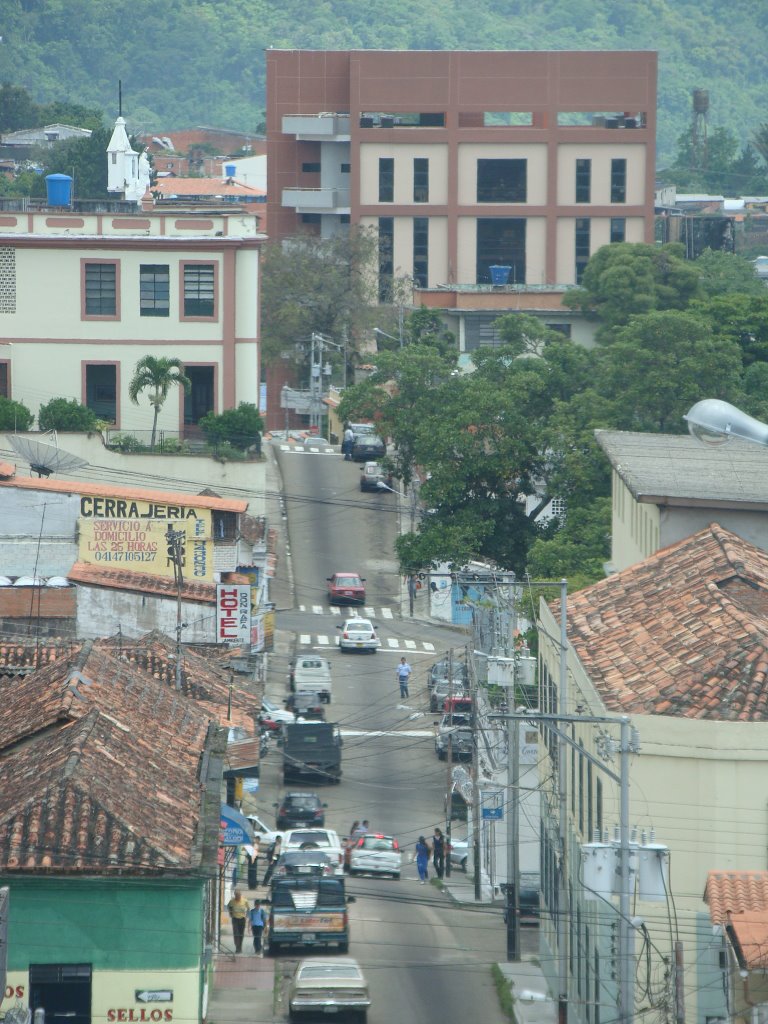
(235, 827)
(241, 759)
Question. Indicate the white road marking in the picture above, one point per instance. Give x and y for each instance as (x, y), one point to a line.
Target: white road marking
(393, 642)
(370, 611)
(411, 733)
(428, 646)
(335, 610)
(410, 644)
(302, 607)
(305, 638)
(318, 609)
(323, 640)
(386, 613)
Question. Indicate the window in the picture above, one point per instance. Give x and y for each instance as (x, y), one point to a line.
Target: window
(101, 290)
(500, 242)
(101, 390)
(200, 399)
(311, 218)
(199, 290)
(618, 229)
(502, 181)
(582, 246)
(581, 791)
(599, 807)
(7, 279)
(590, 804)
(421, 251)
(618, 181)
(154, 290)
(583, 181)
(564, 329)
(386, 179)
(386, 266)
(310, 168)
(420, 180)
(5, 382)
(345, 168)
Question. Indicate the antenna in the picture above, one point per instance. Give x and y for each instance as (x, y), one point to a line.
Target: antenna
(45, 458)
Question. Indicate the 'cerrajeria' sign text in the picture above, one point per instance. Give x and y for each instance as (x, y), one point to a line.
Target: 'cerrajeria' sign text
(125, 508)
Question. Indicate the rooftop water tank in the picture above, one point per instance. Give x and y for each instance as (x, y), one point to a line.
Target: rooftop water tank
(59, 189)
(229, 170)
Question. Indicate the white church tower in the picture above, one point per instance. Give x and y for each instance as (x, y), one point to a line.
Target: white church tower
(127, 172)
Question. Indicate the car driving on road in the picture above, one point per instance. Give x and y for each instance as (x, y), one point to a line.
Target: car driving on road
(443, 689)
(372, 474)
(375, 854)
(358, 635)
(346, 588)
(323, 986)
(325, 839)
(300, 808)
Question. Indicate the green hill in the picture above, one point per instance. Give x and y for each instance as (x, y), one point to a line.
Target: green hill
(194, 62)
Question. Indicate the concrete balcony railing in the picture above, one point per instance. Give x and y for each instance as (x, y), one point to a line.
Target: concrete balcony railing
(317, 126)
(317, 200)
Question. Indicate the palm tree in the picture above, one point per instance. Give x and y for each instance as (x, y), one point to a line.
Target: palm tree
(157, 374)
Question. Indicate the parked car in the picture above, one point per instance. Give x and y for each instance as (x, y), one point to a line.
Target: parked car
(375, 854)
(304, 862)
(323, 986)
(457, 741)
(367, 446)
(265, 833)
(311, 672)
(346, 588)
(297, 809)
(325, 839)
(372, 474)
(446, 688)
(358, 635)
(306, 705)
(272, 716)
(457, 705)
(445, 667)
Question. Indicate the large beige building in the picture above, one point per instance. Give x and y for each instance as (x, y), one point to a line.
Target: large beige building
(463, 160)
(85, 294)
(679, 643)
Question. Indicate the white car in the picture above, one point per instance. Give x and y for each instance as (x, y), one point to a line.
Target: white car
(325, 839)
(358, 635)
(323, 986)
(265, 833)
(375, 854)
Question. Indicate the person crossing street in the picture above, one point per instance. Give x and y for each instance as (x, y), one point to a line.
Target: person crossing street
(403, 674)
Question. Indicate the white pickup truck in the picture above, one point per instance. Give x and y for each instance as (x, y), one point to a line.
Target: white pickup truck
(311, 674)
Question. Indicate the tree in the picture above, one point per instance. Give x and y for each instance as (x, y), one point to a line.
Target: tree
(241, 427)
(626, 279)
(722, 273)
(739, 317)
(159, 375)
(717, 166)
(14, 416)
(425, 327)
(67, 415)
(577, 549)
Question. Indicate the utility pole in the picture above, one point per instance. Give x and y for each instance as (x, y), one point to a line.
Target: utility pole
(562, 786)
(175, 546)
(513, 849)
(475, 778)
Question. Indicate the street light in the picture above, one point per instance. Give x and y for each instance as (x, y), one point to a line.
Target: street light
(377, 330)
(715, 422)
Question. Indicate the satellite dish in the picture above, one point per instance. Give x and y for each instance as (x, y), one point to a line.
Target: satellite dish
(43, 457)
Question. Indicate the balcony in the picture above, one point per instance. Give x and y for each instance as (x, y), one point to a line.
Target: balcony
(317, 200)
(324, 127)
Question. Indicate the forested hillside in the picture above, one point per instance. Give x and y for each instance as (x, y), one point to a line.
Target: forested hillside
(192, 62)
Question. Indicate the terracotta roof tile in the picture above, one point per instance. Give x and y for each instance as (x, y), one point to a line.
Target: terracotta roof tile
(208, 187)
(683, 633)
(135, 493)
(140, 582)
(733, 892)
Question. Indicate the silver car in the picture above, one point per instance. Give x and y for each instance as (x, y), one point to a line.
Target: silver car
(375, 854)
(358, 635)
(323, 986)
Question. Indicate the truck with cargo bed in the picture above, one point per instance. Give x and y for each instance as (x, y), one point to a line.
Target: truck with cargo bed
(308, 911)
(312, 750)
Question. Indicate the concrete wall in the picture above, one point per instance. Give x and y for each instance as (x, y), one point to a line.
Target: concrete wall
(102, 612)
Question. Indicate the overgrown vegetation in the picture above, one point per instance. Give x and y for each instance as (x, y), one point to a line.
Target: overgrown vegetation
(14, 416)
(67, 414)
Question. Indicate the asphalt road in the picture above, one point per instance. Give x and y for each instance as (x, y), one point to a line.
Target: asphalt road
(426, 958)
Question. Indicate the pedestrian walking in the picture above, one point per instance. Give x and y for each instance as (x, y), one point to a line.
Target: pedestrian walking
(347, 442)
(403, 674)
(257, 919)
(422, 859)
(361, 829)
(438, 853)
(238, 911)
(274, 853)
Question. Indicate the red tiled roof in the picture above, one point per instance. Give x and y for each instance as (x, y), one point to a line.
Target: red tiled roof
(207, 187)
(131, 493)
(140, 582)
(683, 633)
(734, 892)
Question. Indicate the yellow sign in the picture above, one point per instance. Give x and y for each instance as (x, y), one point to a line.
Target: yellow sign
(124, 508)
(139, 545)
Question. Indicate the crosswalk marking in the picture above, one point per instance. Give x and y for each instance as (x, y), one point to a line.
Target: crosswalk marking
(369, 612)
(318, 609)
(386, 613)
(300, 450)
(305, 638)
(393, 642)
(392, 645)
(324, 641)
(428, 646)
(410, 644)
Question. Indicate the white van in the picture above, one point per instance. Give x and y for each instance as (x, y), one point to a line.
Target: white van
(311, 673)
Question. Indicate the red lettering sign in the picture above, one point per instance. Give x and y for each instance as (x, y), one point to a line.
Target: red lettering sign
(137, 1015)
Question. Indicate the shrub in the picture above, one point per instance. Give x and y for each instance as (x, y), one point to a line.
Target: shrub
(14, 415)
(67, 414)
(240, 427)
(126, 443)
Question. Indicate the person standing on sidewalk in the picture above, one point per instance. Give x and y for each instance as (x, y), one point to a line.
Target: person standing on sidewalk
(346, 444)
(438, 853)
(422, 859)
(258, 919)
(403, 673)
(238, 911)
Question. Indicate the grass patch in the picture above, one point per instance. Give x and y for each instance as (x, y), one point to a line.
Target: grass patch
(504, 992)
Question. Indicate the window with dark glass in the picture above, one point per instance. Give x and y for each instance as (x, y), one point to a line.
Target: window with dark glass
(310, 168)
(4, 389)
(582, 246)
(420, 180)
(199, 281)
(200, 399)
(345, 168)
(100, 289)
(618, 229)
(500, 242)
(618, 181)
(421, 251)
(386, 266)
(386, 179)
(154, 289)
(583, 181)
(101, 390)
(502, 181)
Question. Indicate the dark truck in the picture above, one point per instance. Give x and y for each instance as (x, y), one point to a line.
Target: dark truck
(312, 750)
(308, 911)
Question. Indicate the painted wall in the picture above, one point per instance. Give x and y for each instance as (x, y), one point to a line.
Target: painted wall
(102, 612)
(403, 155)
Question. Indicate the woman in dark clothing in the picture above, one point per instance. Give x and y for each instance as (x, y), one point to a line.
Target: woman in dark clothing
(438, 853)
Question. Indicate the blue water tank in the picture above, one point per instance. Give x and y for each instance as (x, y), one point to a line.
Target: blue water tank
(229, 170)
(59, 188)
